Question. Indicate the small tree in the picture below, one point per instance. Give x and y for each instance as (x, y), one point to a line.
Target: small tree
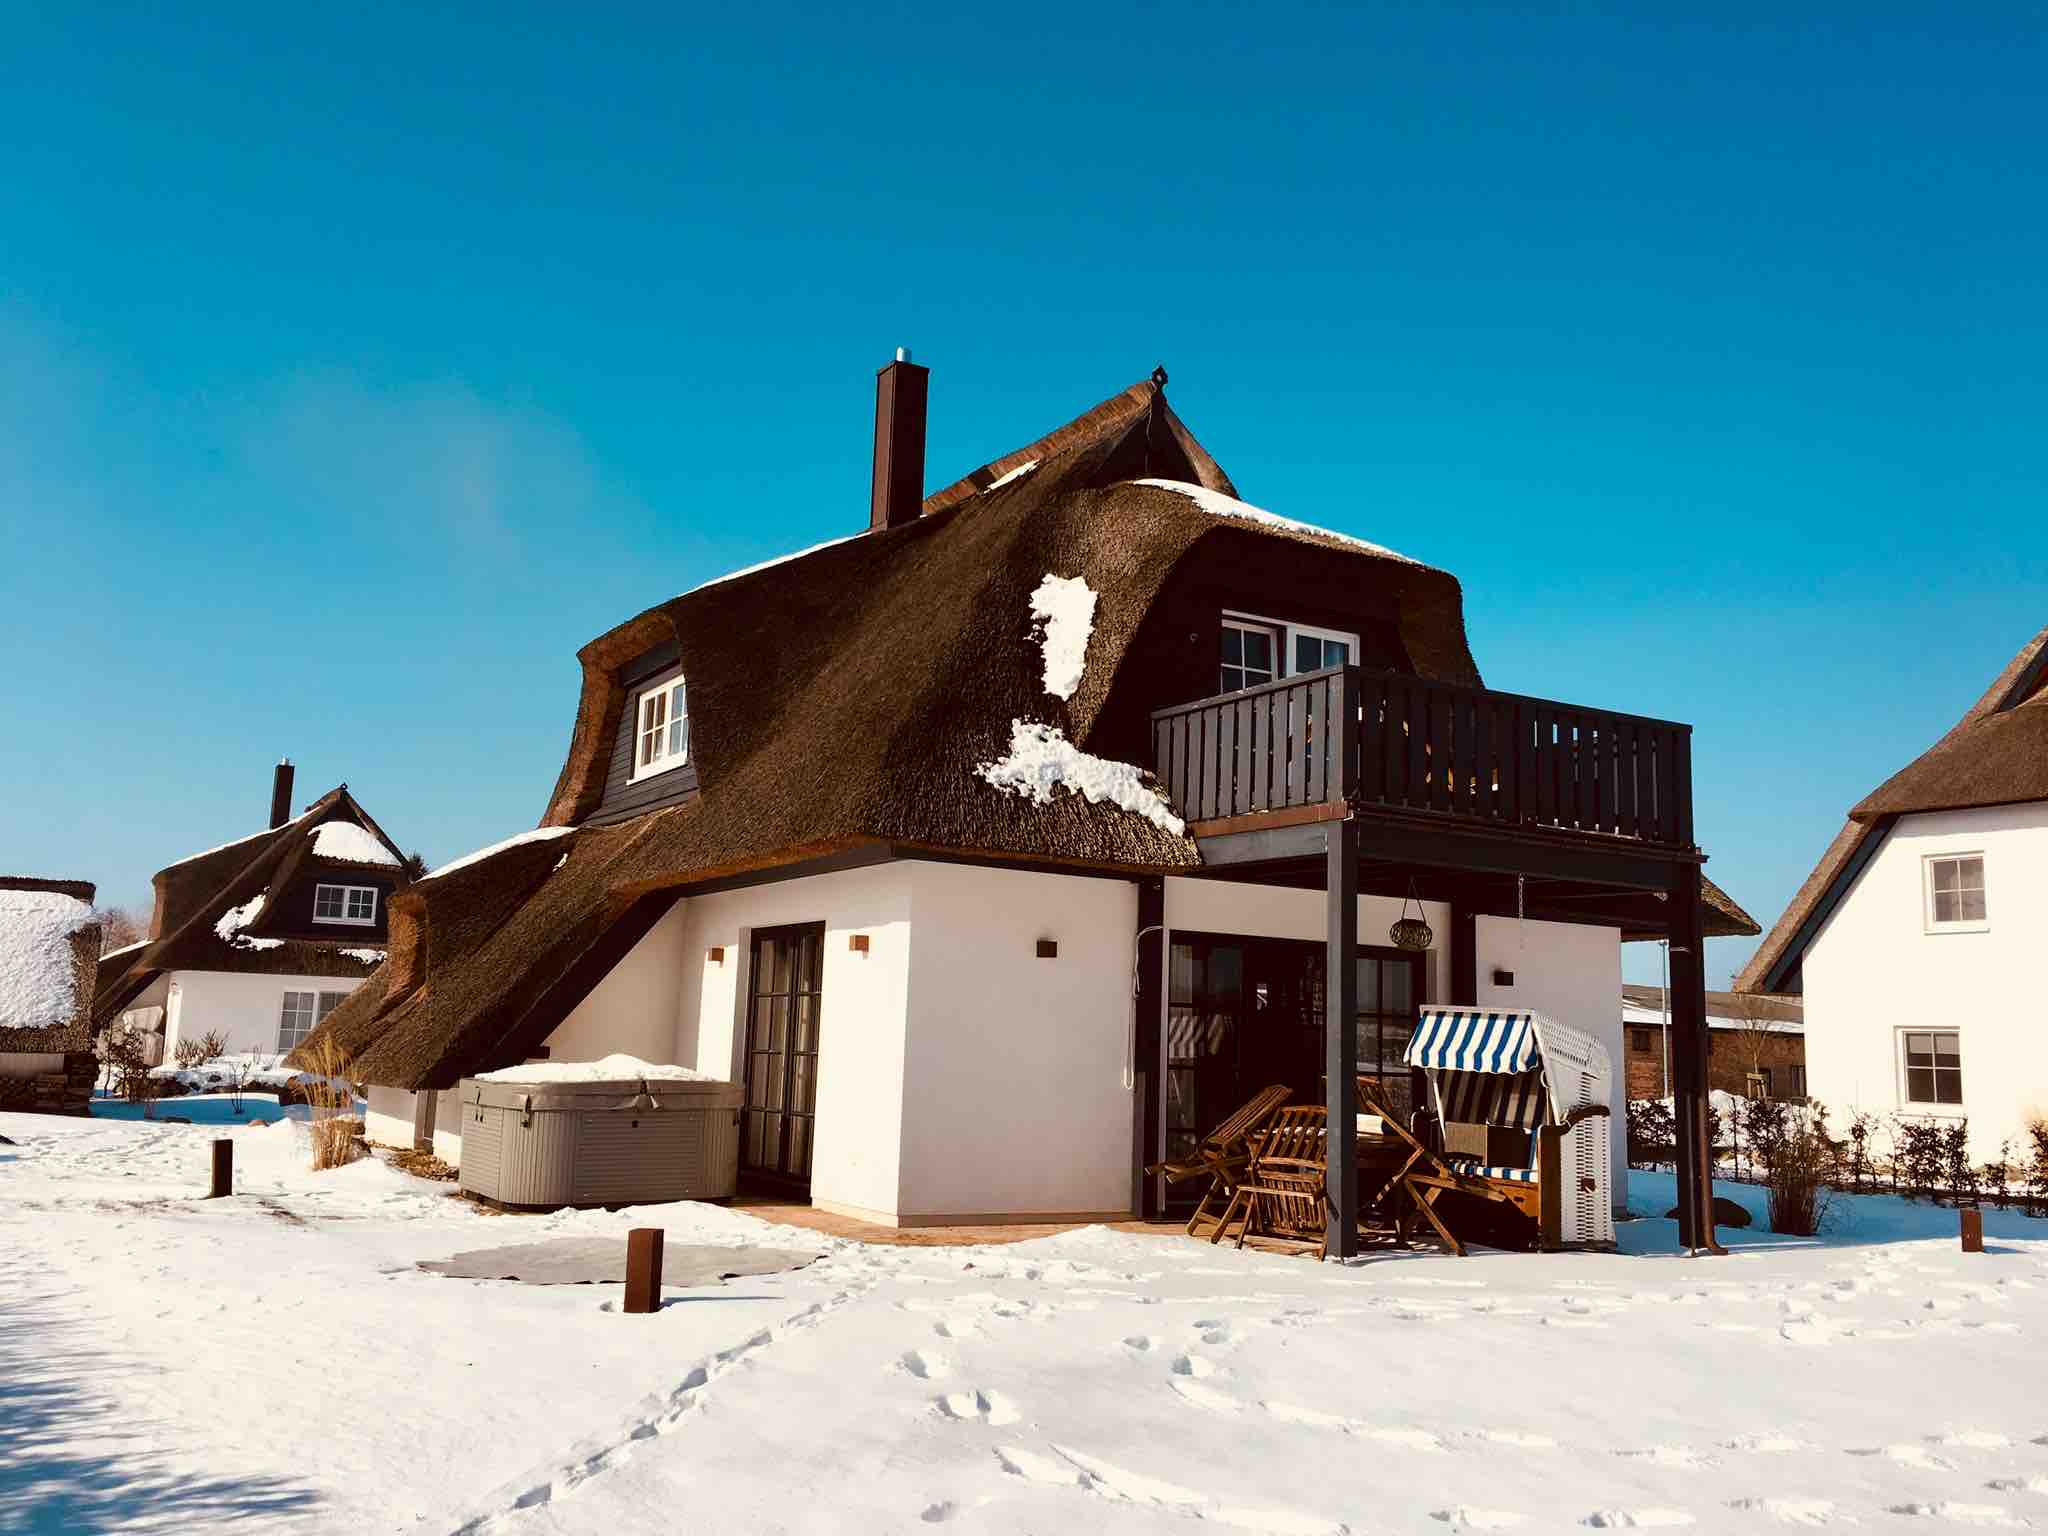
(1652, 1133)
(1799, 1163)
(237, 1070)
(120, 926)
(124, 1051)
(1752, 1041)
(193, 1051)
(415, 865)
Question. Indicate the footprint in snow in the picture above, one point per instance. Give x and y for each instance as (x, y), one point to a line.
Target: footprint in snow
(1141, 1343)
(939, 1513)
(1917, 1457)
(1670, 1456)
(1794, 1511)
(2018, 1485)
(926, 1364)
(1636, 1519)
(1993, 1515)
(1468, 1517)
(1193, 1365)
(1765, 1445)
(1976, 1440)
(977, 1408)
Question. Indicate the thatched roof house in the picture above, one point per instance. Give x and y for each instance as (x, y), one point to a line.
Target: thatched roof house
(49, 938)
(841, 702)
(303, 901)
(1997, 754)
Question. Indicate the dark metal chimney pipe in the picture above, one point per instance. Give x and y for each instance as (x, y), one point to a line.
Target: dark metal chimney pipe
(900, 393)
(281, 794)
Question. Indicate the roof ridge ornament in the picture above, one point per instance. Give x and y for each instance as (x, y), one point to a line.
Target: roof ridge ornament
(1159, 376)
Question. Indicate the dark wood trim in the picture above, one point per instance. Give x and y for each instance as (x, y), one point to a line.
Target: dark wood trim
(1260, 821)
(1340, 1035)
(1148, 1194)
(1464, 957)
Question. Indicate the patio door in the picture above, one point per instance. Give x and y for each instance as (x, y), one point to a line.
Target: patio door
(784, 992)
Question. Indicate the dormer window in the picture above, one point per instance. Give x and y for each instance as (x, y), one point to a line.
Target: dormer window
(1257, 650)
(661, 738)
(356, 904)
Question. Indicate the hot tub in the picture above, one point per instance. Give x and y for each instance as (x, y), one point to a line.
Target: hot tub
(623, 1141)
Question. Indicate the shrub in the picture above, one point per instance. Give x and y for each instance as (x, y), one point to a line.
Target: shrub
(2037, 1166)
(201, 1048)
(1858, 1163)
(1652, 1133)
(1956, 1171)
(1799, 1163)
(125, 1052)
(1919, 1158)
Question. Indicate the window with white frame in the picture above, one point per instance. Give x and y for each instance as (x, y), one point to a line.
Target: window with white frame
(1931, 1065)
(355, 904)
(1955, 892)
(1257, 650)
(302, 1013)
(661, 732)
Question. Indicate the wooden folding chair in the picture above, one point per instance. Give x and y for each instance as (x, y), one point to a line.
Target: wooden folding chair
(1425, 1176)
(1284, 1195)
(1223, 1153)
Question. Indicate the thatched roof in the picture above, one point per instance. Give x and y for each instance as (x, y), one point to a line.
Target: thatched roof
(1997, 754)
(248, 877)
(846, 699)
(48, 939)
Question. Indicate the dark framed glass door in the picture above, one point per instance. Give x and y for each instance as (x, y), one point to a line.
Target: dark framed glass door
(1244, 1012)
(785, 990)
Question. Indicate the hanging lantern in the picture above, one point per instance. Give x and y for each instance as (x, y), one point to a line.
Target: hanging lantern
(1411, 932)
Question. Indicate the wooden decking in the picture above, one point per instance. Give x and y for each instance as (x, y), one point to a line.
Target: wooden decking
(796, 1214)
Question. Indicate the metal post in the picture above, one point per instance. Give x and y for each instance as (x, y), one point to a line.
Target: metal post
(1148, 1033)
(223, 1169)
(1973, 1230)
(1340, 1034)
(643, 1269)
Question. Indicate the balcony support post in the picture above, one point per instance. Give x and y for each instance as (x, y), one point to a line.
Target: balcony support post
(1340, 1034)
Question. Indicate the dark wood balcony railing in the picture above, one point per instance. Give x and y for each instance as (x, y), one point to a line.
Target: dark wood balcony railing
(1389, 740)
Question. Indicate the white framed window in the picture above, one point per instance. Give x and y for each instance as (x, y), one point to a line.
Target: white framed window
(1258, 650)
(355, 904)
(661, 726)
(1954, 886)
(1251, 654)
(301, 1014)
(1931, 1067)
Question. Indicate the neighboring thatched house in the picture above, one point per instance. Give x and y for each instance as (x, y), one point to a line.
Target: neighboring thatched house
(48, 941)
(263, 937)
(1913, 941)
(862, 829)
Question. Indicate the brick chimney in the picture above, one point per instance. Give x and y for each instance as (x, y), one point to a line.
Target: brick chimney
(900, 391)
(281, 793)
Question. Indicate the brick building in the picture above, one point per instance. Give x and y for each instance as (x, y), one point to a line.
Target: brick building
(1753, 1041)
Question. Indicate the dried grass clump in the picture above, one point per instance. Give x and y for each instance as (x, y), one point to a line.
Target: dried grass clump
(329, 1088)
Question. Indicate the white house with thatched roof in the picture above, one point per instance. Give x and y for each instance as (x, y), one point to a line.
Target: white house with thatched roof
(261, 938)
(1006, 846)
(1913, 941)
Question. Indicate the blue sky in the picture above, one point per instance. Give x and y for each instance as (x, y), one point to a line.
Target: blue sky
(358, 364)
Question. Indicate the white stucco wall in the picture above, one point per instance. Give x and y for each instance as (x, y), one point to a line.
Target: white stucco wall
(246, 1008)
(388, 1118)
(1874, 971)
(637, 1008)
(1017, 1069)
(1572, 972)
(856, 1157)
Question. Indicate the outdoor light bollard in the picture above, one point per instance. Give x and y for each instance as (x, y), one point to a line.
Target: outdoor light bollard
(223, 1169)
(1973, 1230)
(643, 1269)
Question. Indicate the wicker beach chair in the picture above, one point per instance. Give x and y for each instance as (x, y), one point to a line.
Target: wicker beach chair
(1222, 1154)
(1283, 1198)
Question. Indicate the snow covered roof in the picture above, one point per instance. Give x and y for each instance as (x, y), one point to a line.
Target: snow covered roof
(247, 905)
(491, 851)
(351, 844)
(47, 936)
(1216, 504)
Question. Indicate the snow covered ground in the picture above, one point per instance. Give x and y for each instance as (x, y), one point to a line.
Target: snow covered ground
(168, 1363)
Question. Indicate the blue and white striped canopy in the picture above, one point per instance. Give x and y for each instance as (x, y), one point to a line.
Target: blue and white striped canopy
(1475, 1040)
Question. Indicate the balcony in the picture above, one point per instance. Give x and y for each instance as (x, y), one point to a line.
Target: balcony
(1348, 741)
